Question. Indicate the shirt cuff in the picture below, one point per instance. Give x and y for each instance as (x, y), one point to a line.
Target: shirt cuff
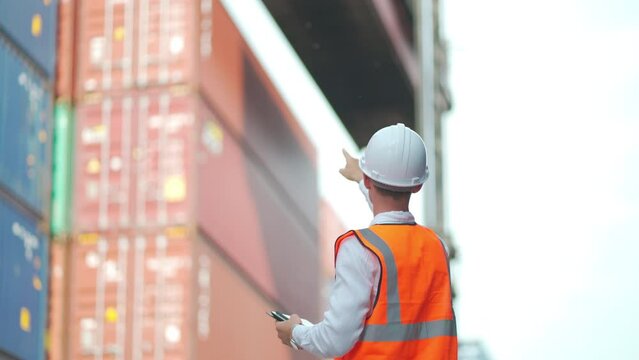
(299, 333)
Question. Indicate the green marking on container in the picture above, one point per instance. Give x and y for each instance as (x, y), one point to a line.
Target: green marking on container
(62, 171)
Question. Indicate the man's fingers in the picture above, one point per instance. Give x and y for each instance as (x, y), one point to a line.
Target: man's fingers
(348, 156)
(284, 330)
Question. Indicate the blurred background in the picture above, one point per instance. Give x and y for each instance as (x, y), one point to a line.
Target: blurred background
(168, 169)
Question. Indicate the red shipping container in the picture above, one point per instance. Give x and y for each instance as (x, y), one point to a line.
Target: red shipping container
(256, 115)
(229, 158)
(128, 44)
(141, 173)
(330, 228)
(240, 209)
(234, 84)
(239, 328)
(164, 294)
(130, 295)
(134, 160)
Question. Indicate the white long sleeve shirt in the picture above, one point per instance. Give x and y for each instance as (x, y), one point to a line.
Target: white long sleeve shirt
(352, 296)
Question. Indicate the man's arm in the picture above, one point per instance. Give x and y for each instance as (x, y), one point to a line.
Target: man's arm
(350, 301)
(357, 274)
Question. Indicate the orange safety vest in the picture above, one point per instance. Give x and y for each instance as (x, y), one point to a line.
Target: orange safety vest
(412, 316)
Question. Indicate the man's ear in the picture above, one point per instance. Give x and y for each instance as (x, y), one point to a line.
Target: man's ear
(368, 183)
(416, 189)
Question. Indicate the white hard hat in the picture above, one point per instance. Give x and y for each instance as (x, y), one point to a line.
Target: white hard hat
(395, 157)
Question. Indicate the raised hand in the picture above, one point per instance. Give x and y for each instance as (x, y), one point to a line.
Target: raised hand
(351, 170)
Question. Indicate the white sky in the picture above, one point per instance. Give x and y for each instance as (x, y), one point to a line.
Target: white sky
(543, 175)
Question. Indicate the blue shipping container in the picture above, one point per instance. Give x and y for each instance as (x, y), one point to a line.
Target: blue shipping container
(26, 118)
(31, 24)
(23, 284)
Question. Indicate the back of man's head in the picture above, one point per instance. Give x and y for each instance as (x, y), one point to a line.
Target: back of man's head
(393, 194)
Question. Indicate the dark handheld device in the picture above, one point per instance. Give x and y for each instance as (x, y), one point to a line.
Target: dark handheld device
(278, 316)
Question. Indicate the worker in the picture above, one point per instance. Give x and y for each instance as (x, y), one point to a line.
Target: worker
(391, 298)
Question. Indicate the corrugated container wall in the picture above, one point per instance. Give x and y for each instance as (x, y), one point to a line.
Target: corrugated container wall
(127, 44)
(127, 47)
(130, 295)
(134, 161)
(25, 130)
(23, 283)
(66, 47)
(136, 169)
(243, 172)
(31, 24)
(163, 294)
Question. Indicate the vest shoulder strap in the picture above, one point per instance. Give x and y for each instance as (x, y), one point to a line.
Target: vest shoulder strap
(338, 242)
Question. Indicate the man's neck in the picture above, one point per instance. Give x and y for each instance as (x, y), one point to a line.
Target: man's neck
(382, 208)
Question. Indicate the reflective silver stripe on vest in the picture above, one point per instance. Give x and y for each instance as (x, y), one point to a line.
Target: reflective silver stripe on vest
(395, 330)
(392, 294)
(406, 332)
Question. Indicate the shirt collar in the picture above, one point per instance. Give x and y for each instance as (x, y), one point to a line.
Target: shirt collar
(393, 217)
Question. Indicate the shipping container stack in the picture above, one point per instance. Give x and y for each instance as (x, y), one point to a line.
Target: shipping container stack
(194, 202)
(27, 56)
